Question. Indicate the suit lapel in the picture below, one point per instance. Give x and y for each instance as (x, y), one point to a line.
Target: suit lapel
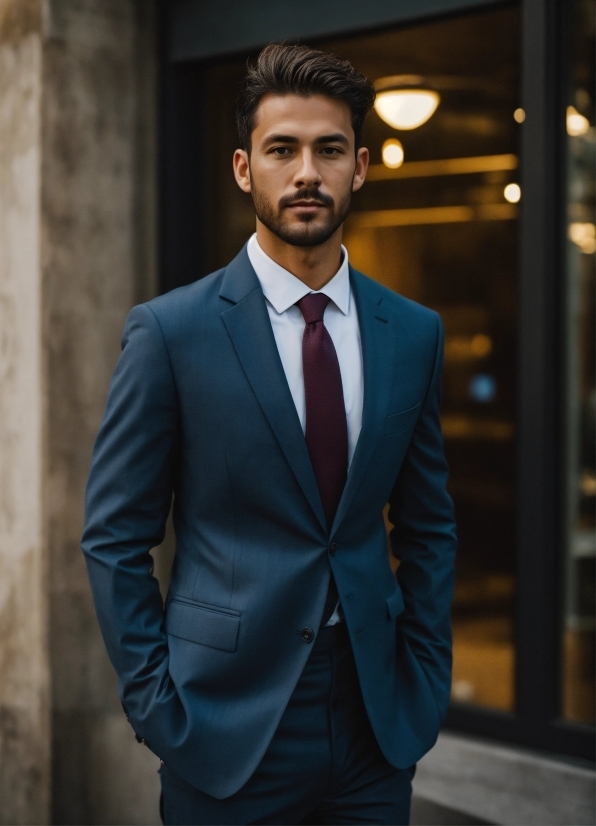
(378, 360)
(249, 328)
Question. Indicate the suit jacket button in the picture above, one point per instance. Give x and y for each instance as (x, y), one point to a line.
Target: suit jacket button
(307, 634)
(333, 549)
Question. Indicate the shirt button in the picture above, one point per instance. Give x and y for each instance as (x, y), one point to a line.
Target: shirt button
(307, 634)
(333, 549)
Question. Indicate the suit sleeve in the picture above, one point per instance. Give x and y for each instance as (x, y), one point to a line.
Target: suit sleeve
(128, 497)
(423, 538)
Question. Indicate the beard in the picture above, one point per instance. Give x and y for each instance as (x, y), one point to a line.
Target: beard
(312, 230)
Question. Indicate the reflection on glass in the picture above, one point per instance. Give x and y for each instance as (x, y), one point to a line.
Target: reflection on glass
(578, 633)
(438, 229)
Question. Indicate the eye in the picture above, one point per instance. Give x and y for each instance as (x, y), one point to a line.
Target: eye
(331, 150)
(281, 151)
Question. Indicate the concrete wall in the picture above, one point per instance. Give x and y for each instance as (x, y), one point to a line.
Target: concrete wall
(24, 668)
(97, 262)
(77, 242)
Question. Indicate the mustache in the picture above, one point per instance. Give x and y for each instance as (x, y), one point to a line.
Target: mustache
(307, 195)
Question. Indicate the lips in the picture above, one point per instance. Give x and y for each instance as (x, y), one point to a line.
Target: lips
(306, 206)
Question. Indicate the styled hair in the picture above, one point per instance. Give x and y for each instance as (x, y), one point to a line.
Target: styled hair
(289, 69)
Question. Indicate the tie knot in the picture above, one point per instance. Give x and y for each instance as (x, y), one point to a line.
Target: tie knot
(312, 306)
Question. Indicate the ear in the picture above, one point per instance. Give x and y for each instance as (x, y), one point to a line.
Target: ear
(242, 169)
(362, 158)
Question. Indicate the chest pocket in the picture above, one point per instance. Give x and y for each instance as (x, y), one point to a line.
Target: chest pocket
(399, 422)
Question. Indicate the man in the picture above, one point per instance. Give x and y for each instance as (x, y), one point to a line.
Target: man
(283, 401)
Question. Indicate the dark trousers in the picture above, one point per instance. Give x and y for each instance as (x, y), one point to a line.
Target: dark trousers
(322, 766)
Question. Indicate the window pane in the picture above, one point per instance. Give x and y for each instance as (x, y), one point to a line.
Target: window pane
(578, 637)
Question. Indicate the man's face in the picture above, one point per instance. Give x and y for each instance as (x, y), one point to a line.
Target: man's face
(302, 167)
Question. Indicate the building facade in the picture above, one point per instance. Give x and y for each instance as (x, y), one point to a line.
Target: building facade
(116, 136)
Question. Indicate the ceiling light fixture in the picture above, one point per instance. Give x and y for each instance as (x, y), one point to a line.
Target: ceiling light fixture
(405, 101)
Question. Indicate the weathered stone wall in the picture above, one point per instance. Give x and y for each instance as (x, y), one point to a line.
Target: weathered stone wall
(77, 250)
(97, 262)
(24, 698)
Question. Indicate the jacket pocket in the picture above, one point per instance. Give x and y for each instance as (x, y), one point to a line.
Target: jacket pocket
(395, 603)
(399, 422)
(203, 624)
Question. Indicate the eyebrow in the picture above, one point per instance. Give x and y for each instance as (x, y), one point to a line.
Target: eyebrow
(336, 137)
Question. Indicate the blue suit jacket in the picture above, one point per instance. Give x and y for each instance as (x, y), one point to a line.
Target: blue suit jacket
(199, 407)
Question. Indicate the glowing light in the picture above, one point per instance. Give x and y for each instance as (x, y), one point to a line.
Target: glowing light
(406, 109)
(444, 166)
(481, 345)
(519, 115)
(466, 348)
(392, 153)
(576, 124)
(587, 483)
(512, 193)
(405, 101)
(462, 691)
(584, 235)
(483, 388)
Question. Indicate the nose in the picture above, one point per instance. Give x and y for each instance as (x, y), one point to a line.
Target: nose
(307, 173)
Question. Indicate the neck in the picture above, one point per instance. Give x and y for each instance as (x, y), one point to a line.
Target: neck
(314, 266)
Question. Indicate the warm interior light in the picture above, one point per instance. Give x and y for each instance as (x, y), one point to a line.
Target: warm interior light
(512, 193)
(576, 124)
(466, 348)
(584, 235)
(406, 108)
(519, 115)
(405, 101)
(392, 153)
(481, 345)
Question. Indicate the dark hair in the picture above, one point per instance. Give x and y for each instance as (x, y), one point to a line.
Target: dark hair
(283, 69)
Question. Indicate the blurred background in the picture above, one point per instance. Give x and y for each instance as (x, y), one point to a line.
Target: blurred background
(116, 138)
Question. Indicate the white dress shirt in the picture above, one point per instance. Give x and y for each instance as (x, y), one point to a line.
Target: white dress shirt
(282, 290)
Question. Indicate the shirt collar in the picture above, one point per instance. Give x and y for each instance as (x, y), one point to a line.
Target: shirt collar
(282, 289)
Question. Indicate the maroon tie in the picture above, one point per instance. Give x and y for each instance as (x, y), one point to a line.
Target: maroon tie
(326, 427)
